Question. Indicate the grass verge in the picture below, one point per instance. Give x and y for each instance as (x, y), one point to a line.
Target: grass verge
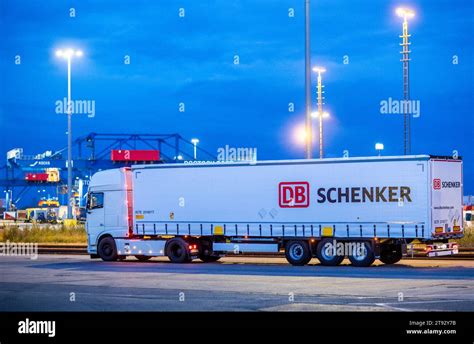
(44, 234)
(468, 239)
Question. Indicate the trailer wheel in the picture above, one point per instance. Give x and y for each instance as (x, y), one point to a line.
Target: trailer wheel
(364, 257)
(143, 258)
(107, 249)
(390, 254)
(177, 251)
(297, 252)
(327, 254)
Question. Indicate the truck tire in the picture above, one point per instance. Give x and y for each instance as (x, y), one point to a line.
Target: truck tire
(390, 254)
(297, 252)
(143, 258)
(364, 258)
(107, 249)
(326, 255)
(177, 251)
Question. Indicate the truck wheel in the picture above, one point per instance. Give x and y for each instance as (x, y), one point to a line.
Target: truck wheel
(143, 258)
(327, 254)
(209, 259)
(297, 252)
(364, 257)
(390, 254)
(177, 251)
(107, 249)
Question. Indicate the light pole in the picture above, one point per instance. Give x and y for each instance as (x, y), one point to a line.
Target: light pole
(320, 116)
(379, 147)
(195, 142)
(307, 82)
(320, 86)
(406, 14)
(68, 54)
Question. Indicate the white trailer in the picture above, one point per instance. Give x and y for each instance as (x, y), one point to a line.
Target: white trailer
(362, 208)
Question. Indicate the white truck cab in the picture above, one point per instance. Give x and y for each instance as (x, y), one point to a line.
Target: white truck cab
(107, 208)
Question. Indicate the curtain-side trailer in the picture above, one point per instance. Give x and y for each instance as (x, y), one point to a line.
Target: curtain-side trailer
(360, 208)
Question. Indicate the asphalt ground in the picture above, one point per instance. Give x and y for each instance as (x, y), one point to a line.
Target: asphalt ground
(77, 283)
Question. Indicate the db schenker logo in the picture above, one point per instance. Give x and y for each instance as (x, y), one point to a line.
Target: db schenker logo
(437, 184)
(293, 194)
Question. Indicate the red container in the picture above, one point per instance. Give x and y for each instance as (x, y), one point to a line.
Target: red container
(134, 155)
(36, 177)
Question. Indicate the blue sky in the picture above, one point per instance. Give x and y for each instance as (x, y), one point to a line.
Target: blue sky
(191, 60)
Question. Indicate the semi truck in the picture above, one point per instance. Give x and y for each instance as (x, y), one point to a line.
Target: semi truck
(305, 208)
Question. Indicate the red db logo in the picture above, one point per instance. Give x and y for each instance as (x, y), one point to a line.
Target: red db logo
(293, 194)
(437, 184)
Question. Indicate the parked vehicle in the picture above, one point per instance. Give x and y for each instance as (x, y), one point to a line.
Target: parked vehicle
(36, 215)
(308, 208)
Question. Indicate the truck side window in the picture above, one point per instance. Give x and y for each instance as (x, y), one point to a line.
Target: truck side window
(96, 200)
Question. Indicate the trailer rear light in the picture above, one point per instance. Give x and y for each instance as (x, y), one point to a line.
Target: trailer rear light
(428, 248)
(192, 247)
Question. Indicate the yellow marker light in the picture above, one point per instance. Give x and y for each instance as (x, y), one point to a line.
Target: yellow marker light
(327, 231)
(218, 230)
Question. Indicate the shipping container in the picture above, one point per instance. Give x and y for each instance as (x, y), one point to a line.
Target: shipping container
(37, 177)
(135, 155)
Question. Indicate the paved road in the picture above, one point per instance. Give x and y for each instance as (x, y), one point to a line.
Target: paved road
(76, 283)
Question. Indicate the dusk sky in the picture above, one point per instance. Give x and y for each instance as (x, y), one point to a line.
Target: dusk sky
(190, 60)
